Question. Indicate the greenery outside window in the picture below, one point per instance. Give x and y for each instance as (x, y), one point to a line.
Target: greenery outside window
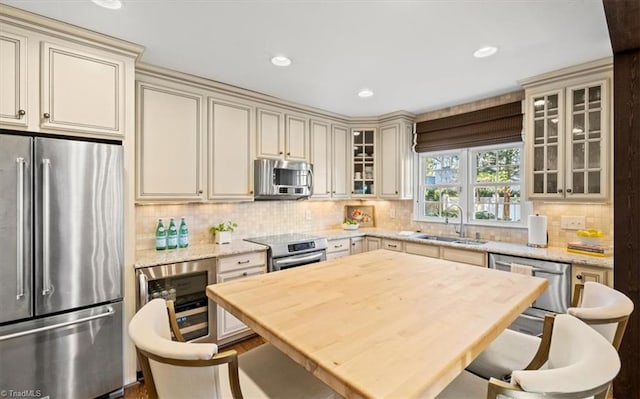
(484, 181)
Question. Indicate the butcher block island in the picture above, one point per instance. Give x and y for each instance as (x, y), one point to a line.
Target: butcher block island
(381, 324)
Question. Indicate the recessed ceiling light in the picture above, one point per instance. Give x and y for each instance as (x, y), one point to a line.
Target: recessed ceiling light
(486, 51)
(280, 60)
(110, 4)
(364, 93)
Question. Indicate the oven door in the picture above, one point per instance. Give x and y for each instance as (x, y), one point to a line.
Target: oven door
(288, 262)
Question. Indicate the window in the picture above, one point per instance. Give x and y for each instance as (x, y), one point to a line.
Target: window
(485, 182)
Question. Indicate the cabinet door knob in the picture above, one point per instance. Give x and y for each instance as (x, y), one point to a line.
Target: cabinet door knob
(46, 115)
(21, 113)
(559, 191)
(396, 192)
(200, 191)
(328, 192)
(251, 192)
(288, 153)
(245, 274)
(280, 153)
(353, 192)
(569, 190)
(579, 276)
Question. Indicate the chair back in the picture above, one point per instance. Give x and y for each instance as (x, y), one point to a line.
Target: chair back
(167, 365)
(581, 363)
(603, 308)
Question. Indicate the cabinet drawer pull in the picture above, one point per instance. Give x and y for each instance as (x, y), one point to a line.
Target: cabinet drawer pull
(338, 246)
(245, 274)
(392, 245)
(242, 262)
(21, 113)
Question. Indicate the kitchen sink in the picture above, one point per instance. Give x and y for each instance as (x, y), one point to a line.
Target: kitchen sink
(455, 240)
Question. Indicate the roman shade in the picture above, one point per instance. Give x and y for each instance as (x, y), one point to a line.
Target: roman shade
(494, 125)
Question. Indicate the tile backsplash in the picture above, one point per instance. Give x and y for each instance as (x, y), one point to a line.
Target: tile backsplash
(277, 217)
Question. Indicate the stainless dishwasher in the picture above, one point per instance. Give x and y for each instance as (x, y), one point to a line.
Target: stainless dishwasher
(555, 299)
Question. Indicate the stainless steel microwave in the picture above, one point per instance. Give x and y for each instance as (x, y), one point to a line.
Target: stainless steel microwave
(276, 179)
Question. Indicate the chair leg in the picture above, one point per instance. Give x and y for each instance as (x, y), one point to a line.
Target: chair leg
(234, 378)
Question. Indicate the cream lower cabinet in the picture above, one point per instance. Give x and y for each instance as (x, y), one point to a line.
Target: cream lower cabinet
(393, 245)
(338, 248)
(230, 268)
(464, 256)
(230, 154)
(169, 143)
(52, 85)
(357, 245)
(432, 251)
(372, 243)
(582, 274)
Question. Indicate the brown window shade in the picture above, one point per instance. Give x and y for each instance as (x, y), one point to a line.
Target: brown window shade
(495, 125)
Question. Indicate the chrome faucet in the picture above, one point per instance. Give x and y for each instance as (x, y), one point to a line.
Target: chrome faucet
(460, 228)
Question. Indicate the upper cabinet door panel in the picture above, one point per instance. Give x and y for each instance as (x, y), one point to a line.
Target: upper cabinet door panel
(297, 138)
(340, 164)
(13, 79)
(230, 155)
(389, 165)
(321, 159)
(81, 91)
(270, 134)
(169, 143)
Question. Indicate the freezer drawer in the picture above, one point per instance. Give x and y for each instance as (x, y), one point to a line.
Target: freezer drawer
(73, 355)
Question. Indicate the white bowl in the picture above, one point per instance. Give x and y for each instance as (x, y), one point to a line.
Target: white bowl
(347, 226)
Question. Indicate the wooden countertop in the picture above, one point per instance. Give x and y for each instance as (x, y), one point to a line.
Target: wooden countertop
(381, 324)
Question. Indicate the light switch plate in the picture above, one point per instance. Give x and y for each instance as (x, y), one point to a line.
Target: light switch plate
(572, 222)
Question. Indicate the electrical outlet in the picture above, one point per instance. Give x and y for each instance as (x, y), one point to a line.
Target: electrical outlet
(307, 215)
(572, 222)
(392, 213)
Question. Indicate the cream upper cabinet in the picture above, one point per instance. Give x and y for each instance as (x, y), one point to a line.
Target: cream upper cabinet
(230, 152)
(363, 162)
(320, 138)
(169, 142)
(568, 134)
(13, 79)
(340, 171)
(297, 138)
(81, 91)
(51, 84)
(270, 126)
(389, 165)
(282, 136)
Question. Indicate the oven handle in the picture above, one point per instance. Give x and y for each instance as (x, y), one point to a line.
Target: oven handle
(534, 269)
(144, 293)
(299, 259)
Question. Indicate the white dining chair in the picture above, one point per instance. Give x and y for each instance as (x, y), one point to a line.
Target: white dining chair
(581, 363)
(606, 310)
(175, 369)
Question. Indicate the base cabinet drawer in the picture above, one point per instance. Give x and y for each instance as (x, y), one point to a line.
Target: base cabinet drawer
(338, 248)
(464, 256)
(432, 251)
(242, 261)
(393, 245)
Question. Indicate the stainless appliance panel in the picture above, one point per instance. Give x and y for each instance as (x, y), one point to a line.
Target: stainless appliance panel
(278, 179)
(16, 227)
(79, 220)
(288, 262)
(76, 354)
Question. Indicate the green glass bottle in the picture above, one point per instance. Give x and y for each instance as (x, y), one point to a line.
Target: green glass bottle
(183, 234)
(172, 235)
(161, 236)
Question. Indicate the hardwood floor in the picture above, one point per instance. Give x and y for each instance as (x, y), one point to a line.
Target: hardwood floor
(137, 390)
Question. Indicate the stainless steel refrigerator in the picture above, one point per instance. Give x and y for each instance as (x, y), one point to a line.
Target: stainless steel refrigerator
(61, 260)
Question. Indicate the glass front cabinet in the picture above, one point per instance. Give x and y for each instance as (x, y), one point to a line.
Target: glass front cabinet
(568, 140)
(363, 162)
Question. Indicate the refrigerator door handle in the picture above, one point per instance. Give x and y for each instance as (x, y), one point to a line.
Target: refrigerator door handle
(20, 230)
(46, 204)
(108, 313)
(144, 284)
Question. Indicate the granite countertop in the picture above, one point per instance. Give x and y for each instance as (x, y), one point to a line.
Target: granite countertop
(552, 253)
(152, 257)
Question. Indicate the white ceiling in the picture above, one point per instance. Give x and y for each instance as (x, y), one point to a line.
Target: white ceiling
(415, 55)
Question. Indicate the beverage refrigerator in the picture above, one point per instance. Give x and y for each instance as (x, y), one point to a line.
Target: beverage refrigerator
(61, 247)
